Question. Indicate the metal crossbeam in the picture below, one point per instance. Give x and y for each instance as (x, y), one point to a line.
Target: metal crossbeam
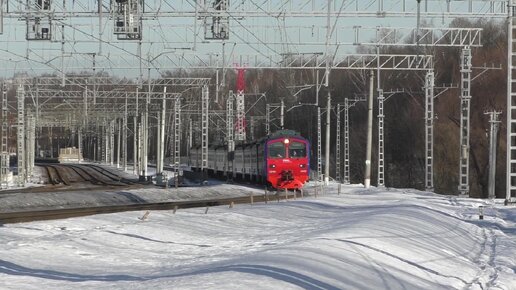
(288, 8)
(302, 61)
(189, 82)
(46, 95)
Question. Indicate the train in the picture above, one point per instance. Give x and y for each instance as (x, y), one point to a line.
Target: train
(280, 160)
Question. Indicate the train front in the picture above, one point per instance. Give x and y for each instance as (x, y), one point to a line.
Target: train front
(287, 162)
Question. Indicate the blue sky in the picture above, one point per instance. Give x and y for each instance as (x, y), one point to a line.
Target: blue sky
(167, 39)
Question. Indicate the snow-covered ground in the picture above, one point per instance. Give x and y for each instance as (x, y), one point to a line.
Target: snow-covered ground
(361, 239)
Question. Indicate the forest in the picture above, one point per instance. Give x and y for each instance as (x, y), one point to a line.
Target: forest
(404, 113)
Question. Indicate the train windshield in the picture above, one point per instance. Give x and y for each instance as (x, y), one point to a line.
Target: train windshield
(276, 150)
(297, 150)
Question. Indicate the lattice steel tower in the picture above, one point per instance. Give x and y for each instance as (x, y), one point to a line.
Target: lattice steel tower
(429, 130)
(465, 99)
(21, 136)
(511, 106)
(4, 162)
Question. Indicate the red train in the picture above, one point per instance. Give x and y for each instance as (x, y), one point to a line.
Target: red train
(280, 160)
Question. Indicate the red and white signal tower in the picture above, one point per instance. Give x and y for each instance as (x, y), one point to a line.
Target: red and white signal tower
(240, 106)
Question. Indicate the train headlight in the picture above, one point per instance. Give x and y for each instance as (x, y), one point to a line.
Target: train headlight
(286, 141)
(272, 166)
(302, 165)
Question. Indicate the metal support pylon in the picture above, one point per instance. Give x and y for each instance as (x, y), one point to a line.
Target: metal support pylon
(111, 138)
(141, 142)
(204, 127)
(159, 145)
(465, 99)
(429, 131)
(319, 145)
(511, 107)
(145, 139)
(103, 145)
(177, 137)
(338, 147)
(190, 136)
(348, 103)
(381, 149)
(282, 115)
(29, 144)
(346, 142)
(124, 136)
(118, 143)
(230, 132)
(135, 145)
(79, 144)
(240, 134)
(267, 119)
(21, 136)
(4, 160)
(161, 134)
(327, 143)
(251, 127)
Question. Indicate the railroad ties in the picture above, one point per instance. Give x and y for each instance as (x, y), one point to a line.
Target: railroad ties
(69, 174)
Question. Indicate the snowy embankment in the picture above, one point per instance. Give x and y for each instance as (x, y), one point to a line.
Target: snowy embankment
(361, 239)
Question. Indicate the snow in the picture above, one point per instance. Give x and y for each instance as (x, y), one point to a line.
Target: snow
(360, 239)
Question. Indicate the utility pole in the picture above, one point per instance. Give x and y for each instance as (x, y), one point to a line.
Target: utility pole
(493, 133)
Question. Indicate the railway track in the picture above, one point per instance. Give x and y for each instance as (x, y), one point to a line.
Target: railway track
(71, 177)
(55, 175)
(28, 216)
(71, 173)
(98, 175)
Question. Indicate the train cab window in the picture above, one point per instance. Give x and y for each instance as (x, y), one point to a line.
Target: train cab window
(277, 150)
(297, 150)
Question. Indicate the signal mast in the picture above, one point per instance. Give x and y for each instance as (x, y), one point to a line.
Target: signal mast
(240, 106)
